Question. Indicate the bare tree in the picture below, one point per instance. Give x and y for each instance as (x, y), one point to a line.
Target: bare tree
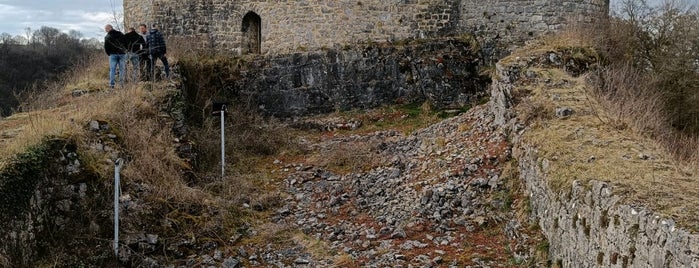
(5, 42)
(28, 34)
(117, 17)
(46, 35)
(662, 42)
(20, 40)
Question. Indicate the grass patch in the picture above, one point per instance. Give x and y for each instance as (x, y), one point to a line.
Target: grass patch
(588, 146)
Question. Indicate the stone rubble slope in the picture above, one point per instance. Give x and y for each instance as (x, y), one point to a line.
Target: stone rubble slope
(434, 203)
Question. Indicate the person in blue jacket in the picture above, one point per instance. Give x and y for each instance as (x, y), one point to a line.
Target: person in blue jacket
(157, 49)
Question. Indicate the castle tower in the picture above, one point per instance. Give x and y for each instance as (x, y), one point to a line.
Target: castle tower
(138, 12)
(277, 27)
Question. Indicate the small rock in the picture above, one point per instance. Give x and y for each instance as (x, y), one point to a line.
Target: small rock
(302, 261)
(206, 259)
(241, 251)
(438, 260)
(152, 239)
(399, 233)
(385, 231)
(366, 244)
(564, 112)
(643, 156)
(230, 263)
(479, 182)
(493, 181)
(554, 59)
(284, 211)
(94, 125)
(234, 239)
(480, 220)
(79, 92)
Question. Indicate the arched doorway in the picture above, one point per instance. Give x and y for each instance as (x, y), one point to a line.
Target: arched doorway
(252, 33)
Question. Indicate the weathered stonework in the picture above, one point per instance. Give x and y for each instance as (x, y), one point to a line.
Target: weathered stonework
(446, 72)
(443, 72)
(288, 26)
(47, 198)
(587, 224)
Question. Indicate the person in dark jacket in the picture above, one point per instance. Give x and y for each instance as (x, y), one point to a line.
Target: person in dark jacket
(144, 55)
(114, 47)
(157, 49)
(134, 44)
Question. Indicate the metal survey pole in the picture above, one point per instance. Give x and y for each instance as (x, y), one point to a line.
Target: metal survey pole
(223, 142)
(117, 193)
(219, 109)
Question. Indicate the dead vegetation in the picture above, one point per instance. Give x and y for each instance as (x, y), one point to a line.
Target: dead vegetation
(614, 136)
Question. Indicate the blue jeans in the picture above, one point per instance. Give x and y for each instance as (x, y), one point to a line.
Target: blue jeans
(115, 59)
(134, 59)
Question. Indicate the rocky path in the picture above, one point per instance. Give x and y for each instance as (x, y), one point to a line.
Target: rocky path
(437, 198)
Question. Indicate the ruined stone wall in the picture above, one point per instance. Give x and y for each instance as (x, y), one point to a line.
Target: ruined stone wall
(587, 224)
(311, 24)
(446, 72)
(515, 21)
(50, 205)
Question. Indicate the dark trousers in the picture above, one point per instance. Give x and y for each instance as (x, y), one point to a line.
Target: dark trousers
(163, 59)
(145, 66)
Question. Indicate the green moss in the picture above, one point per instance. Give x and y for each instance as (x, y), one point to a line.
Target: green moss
(41, 168)
(20, 178)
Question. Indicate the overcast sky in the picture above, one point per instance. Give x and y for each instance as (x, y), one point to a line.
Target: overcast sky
(86, 16)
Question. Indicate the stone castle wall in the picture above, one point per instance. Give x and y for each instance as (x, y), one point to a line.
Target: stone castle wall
(311, 24)
(515, 21)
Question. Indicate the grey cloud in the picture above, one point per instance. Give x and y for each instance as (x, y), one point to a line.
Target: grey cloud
(85, 16)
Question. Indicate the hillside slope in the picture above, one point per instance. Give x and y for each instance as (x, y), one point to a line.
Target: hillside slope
(394, 186)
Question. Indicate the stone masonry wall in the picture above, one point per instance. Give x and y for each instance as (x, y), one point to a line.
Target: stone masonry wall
(293, 25)
(312, 24)
(515, 21)
(46, 198)
(590, 225)
(445, 72)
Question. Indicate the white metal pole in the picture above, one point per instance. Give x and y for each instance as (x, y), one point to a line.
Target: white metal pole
(223, 142)
(117, 192)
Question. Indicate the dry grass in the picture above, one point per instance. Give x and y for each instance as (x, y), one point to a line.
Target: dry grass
(630, 101)
(131, 112)
(594, 144)
(347, 157)
(578, 37)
